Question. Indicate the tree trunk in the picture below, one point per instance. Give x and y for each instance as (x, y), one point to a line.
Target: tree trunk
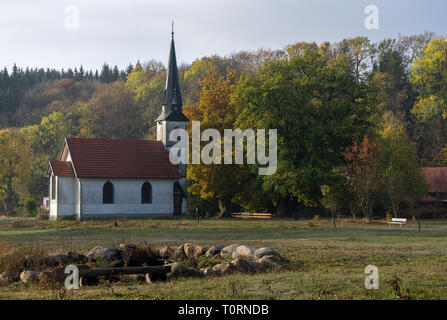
(419, 221)
(224, 208)
(333, 217)
(281, 207)
(10, 202)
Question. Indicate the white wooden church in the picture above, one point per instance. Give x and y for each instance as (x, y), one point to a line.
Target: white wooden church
(108, 178)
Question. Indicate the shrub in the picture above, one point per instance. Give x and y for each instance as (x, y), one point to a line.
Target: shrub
(30, 207)
(389, 217)
(13, 260)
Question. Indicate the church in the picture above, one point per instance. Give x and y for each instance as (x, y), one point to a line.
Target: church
(109, 178)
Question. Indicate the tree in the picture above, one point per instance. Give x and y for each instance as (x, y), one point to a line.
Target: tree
(223, 182)
(402, 178)
(329, 200)
(45, 140)
(311, 98)
(15, 167)
(147, 87)
(364, 173)
(429, 77)
(111, 113)
(357, 50)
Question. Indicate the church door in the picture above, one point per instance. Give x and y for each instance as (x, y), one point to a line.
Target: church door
(178, 198)
(177, 205)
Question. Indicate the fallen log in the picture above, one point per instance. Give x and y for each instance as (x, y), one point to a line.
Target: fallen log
(125, 270)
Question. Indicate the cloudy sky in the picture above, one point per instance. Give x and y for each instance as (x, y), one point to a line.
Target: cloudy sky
(46, 33)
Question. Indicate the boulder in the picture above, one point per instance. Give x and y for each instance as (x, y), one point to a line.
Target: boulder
(223, 268)
(138, 256)
(33, 262)
(213, 251)
(127, 246)
(192, 272)
(268, 262)
(166, 252)
(28, 276)
(228, 250)
(75, 258)
(56, 259)
(8, 277)
(265, 252)
(243, 252)
(103, 253)
(245, 266)
(52, 276)
(179, 269)
(207, 272)
(193, 251)
(179, 253)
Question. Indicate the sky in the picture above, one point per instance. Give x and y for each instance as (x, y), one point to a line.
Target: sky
(62, 34)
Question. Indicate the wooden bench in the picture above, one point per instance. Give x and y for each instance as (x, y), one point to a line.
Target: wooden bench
(399, 221)
(251, 215)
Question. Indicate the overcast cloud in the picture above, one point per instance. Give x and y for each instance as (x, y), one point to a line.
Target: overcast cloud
(33, 33)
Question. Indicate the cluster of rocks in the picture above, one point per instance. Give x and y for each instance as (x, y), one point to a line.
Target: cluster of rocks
(245, 259)
(240, 258)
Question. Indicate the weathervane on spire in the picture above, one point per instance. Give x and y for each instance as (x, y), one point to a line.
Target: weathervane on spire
(172, 26)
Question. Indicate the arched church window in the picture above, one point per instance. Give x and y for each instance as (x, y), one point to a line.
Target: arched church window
(146, 193)
(108, 193)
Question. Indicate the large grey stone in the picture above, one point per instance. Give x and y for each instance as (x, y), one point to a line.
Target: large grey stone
(213, 251)
(265, 252)
(268, 262)
(104, 253)
(179, 269)
(243, 252)
(208, 272)
(29, 276)
(223, 268)
(245, 266)
(166, 252)
(193, 251)
(127, 246)
(228, 250)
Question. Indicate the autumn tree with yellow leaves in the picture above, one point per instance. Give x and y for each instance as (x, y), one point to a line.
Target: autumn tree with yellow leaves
(15, 167)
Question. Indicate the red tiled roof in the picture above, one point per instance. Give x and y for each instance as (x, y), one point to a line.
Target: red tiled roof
(107, 158)
(62, 168)
(436, 179)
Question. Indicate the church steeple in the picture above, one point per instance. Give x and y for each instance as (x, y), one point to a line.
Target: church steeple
(172, 98)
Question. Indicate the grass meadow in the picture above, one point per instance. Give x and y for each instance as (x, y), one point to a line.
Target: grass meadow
(324, 263)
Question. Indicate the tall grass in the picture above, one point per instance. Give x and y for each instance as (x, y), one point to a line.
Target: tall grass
(12, 259)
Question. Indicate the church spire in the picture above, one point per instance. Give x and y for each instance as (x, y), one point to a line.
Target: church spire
(172, 98)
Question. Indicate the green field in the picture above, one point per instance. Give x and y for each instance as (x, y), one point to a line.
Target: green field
(324, 263)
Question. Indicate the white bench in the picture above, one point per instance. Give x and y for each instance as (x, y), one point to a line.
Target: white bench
(399, 221)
